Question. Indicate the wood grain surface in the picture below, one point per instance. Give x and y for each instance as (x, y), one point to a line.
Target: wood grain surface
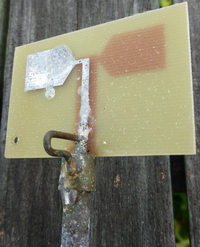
(4, 10)
(192, 163)
(132, 205)
(30, 204)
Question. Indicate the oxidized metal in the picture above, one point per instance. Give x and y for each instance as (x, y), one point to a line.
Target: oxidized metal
(61, 135)
(77, 177)
(76, 203)
(79, 171)
(76, 222)
(80, 177)
(77, 180)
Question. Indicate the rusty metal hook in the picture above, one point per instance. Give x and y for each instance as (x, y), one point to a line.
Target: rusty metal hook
(61, 135)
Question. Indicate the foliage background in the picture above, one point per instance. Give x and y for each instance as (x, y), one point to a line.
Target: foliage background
(181, 220)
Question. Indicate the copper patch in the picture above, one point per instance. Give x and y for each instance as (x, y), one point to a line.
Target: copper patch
(131, 52)
(136, 51)
(78, 97)
(93, 96)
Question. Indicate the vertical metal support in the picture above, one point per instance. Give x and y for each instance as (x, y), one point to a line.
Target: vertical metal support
(83, 131)
(77, 180)
(76, 222)
(77, 177)
(75, 193)
(77, 172)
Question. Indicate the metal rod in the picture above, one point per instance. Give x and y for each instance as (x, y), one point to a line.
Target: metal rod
(81, 147)
(61, 135)
(77, 218)
(76, 212)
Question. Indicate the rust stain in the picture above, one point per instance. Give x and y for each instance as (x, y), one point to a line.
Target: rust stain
(73, 174)
(135, 51)
(78, 97)
(93, 99)
(188, 175)
(162, 177)
(117, 181)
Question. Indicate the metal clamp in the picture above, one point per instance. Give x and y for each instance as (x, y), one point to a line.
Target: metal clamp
(79, 172)
(61, 135)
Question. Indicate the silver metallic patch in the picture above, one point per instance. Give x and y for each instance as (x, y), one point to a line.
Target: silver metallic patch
(48, 68)
(51, 68)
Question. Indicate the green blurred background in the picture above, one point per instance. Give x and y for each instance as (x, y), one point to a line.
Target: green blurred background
(165, 3)
(181, 220)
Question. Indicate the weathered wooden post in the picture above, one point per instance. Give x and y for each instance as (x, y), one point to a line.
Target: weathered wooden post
(192, 164)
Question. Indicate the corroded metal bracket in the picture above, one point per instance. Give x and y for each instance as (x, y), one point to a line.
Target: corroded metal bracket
(83, 177)
(75, 188)
(60, 135)
(77, 180)
(79, 171)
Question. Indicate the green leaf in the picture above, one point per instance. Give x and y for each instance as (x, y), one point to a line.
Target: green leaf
(165, 3)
